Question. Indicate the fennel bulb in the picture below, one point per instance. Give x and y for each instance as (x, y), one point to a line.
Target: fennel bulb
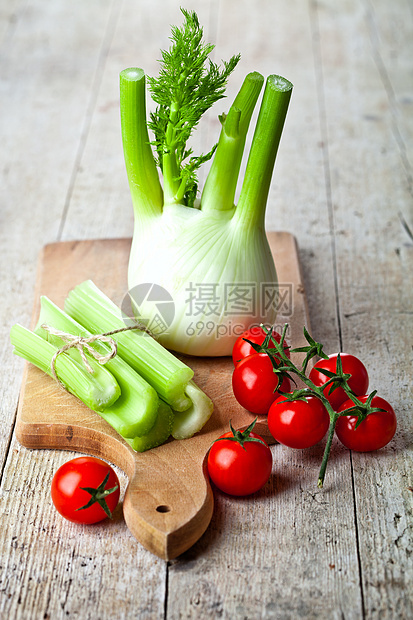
(213, 267)
(211, 257)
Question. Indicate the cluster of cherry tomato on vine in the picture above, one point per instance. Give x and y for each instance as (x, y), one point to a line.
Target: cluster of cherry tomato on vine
(334, 400)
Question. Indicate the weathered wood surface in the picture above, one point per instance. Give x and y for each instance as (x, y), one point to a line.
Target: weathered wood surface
(342, 185)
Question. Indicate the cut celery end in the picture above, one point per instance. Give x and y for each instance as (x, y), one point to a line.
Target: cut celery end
(134, 416)
(187, 423)
(98, 390)
(134, 412)
(160, 432)
(160, 368)
(124, 422)
(176, 394)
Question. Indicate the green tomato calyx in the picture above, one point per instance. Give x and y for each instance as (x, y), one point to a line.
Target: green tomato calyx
(242, 437)
(99, 495)
(361, 410)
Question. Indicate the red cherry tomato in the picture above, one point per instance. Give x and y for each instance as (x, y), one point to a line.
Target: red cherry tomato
(255, 383)
(298, 423)
(257, 335)
(68, 492)
(358, 382)
(373, 433)
(238, 470)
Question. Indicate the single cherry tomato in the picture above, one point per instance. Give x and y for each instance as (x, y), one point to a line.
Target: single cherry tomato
(255, 383)
(298, 423)
(257, 335)
(239, 466)
(373, 433)
(85, 490)
(358, 382)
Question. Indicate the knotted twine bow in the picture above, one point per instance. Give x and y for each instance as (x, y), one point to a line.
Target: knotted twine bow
(81, 343)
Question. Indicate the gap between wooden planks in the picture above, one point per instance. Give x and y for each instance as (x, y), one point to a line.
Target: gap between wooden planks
(169, 502)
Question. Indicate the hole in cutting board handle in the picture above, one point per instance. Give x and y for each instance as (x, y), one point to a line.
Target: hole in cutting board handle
(162, 508)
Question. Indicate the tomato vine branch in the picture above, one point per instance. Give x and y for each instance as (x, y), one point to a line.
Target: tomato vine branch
(286, 366)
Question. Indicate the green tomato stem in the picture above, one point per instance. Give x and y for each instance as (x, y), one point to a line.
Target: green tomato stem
(318, 392)
(327, 449)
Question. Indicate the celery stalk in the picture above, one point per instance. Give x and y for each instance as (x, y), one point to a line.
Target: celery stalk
(160, 368)
(158, 434)
(98, 391)
(187, 423)
(135, 411)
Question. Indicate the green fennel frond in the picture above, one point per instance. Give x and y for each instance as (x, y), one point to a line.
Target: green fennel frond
(189, 83)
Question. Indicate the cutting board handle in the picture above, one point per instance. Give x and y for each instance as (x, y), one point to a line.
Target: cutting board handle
(168, 509)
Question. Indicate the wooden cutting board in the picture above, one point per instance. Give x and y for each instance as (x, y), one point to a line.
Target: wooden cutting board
(169, 502)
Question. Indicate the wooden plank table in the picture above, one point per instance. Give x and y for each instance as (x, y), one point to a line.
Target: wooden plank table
(343, 185)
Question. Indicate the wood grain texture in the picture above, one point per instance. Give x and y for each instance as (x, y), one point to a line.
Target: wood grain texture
(168, 503)
(52, 59)
(343, 176)
(42, 121)
(371, 242)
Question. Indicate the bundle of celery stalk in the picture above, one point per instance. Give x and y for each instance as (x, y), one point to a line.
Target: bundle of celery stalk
(144, 392)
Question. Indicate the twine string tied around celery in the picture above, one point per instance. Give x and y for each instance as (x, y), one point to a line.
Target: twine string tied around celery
(82, 343)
